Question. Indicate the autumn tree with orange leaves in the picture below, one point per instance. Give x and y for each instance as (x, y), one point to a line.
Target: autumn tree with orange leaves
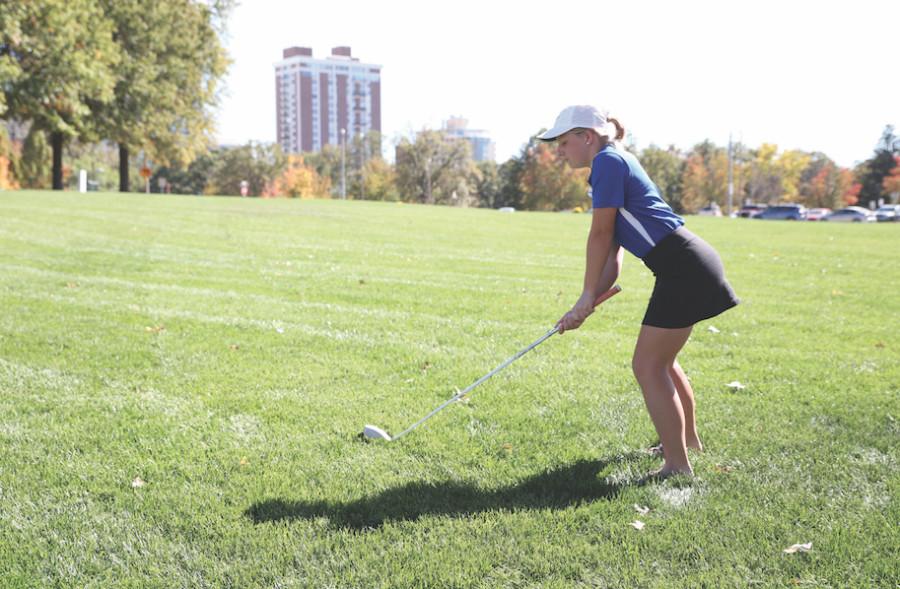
(548, 184)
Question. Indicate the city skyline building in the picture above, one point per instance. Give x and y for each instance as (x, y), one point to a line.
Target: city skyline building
(483, 148)
(319, 102)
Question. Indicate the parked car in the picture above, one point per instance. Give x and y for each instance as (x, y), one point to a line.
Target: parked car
(851, 215)
(711, 210)
(888, 213)
(750, 210)
(817, 213)
(786, 212)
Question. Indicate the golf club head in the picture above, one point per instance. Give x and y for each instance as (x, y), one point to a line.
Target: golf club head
(375, 433)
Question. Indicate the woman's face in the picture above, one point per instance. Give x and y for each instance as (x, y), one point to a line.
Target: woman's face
(577, 147)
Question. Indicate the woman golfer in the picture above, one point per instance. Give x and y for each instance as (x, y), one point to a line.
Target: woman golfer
(630, 213)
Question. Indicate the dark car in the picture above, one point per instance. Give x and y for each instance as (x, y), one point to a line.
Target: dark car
(751, 210)
(786, 212)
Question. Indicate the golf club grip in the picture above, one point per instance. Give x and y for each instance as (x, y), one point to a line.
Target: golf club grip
(616, 289)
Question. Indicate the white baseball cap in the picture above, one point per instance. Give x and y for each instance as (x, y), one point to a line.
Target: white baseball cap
(581, 117)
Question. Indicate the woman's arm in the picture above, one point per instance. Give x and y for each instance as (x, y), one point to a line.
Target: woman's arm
(602, 265)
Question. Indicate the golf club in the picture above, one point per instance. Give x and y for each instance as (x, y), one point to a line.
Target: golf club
(376, 433)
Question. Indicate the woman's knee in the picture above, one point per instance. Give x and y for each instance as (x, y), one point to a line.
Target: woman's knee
(646, 367)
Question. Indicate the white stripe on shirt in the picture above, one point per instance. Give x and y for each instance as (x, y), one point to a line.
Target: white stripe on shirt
(637, 226)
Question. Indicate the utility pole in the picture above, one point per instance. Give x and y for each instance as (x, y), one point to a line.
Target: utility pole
(730, 175)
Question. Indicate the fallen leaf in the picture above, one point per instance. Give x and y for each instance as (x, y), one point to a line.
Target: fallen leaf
(155, 329)
(234, 347)
(723, 468)
(244, 461)
(713, 329)
(837, 293)
(637, 525)
(641, 510)
(735, 385)
(137, 483)
(798, 548)
(71, 285)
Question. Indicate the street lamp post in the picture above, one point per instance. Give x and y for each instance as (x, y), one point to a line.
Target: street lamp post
(343, 163)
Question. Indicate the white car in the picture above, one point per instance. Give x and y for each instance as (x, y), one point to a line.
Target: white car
(851, 215)
(888, 213)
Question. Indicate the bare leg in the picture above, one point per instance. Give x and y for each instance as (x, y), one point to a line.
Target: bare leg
(653, 363)
(686, 396)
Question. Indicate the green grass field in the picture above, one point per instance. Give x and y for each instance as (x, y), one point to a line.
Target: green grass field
(183, 381)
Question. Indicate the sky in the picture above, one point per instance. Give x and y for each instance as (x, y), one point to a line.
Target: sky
(809, 75)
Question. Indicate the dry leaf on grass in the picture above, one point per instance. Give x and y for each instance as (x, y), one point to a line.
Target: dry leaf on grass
(641, 510)
(798, 548)
(137, 483)
(736, 385)
(712, 329)
(637, 525)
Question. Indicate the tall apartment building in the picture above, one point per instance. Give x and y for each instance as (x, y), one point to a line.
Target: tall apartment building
(482, 146)
(317, 98)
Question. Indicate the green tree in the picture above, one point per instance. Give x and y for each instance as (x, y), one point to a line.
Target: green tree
(258, 164)
(55, 57)
(872, 172)
(380, 181)
(34, 166)
(666, 168)
(167, 83)
(436, 169)
(489, 185)
(192, 179)
(510, 173)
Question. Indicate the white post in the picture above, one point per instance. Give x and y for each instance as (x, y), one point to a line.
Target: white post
(82, 181)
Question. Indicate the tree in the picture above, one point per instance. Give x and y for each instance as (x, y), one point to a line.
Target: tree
(436, 168)
(666, 168)
(549, 184)
(299, 180)
(380, 181)
(694, 181)
(258, 164)
(763, 181)
(192, 179)
(790, 166)
(8, 161)
(823, 183)
(871, 173)
(55, 56)
(166, 84)
(34, 165)
(891, 182)
(489, 184)
(510, 173)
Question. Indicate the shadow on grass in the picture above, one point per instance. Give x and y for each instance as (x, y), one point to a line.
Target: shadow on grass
(557, 488)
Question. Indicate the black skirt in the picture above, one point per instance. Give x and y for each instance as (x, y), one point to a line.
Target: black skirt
(690, 282)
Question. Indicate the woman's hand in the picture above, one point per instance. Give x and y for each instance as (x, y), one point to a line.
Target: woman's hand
(577, 314)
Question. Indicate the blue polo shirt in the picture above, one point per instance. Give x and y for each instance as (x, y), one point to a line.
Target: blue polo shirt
(619, 181)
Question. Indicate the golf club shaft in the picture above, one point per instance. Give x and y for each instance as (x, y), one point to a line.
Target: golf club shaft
(612, 291)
